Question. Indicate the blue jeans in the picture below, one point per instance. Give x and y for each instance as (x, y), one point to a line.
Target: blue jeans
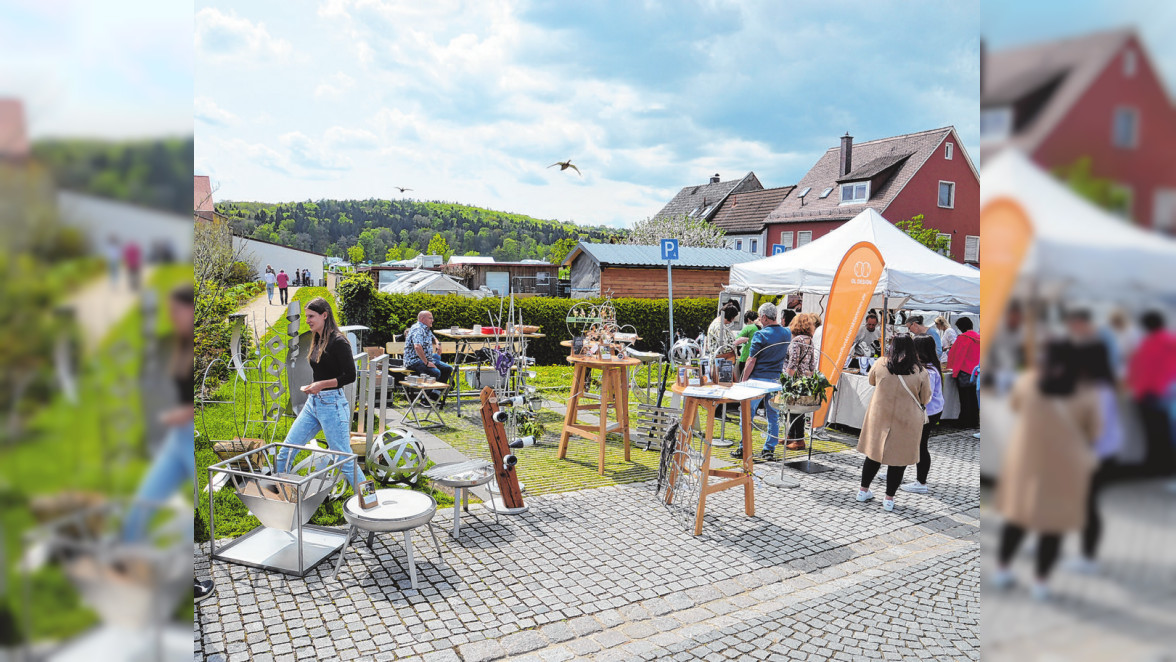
(773, 421)
(440, 373)
(330, 412)
(269, 290)
(173, 466)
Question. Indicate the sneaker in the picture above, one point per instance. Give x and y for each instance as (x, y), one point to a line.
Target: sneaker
(888, 504)
(1040, 591)
(822, 434)
(865, 495)
(914, 486)
(1003, 579)
(768, 455)
(202, 590)
(737, 453)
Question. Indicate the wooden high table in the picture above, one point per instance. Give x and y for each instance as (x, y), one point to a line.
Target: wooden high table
(614, 392)
(690, 408)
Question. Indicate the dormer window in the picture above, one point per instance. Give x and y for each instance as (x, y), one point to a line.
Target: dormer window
(855, 192)
(948, 149)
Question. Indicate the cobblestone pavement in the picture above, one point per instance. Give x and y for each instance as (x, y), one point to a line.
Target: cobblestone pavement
(609, 573)
(1126, 612)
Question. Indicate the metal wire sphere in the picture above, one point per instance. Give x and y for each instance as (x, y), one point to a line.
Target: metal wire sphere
(395, 456)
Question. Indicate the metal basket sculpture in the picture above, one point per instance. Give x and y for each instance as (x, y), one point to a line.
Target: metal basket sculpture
(396, 456)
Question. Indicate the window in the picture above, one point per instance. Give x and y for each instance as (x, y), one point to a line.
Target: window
(995, 123)
(1125, 128)
(804, 237)
(738, 244)
(1164, 219)
(786, 239)
(947, 194)
(1129, 64)
(947, 150)
(946, 239)
(826, 192)
(755, 245)
(971, 248)
(855, 192)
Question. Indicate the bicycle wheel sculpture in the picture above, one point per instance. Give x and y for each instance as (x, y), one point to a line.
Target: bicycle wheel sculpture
(682, 469)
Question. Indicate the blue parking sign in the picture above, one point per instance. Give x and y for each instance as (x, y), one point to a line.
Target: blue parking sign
(669, 249)
(778, 248)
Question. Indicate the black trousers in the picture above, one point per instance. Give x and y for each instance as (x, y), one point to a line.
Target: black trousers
(969, 406)
(796, 429)
(1092, 533)
(893, 476)
(924, 465)
(1049, 547)
(1157, 429)
(284, 291)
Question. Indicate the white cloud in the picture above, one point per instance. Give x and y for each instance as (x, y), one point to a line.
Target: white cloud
(334, 86)
(344, 138)
(223, 36)
(206, 110)
(311, 154)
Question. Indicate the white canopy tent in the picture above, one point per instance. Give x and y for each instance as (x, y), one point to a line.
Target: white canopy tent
(914, 275)
(1078, 249)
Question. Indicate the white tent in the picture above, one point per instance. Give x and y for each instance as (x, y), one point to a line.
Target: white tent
(429, 282)
(913, 272)
(1077, 247)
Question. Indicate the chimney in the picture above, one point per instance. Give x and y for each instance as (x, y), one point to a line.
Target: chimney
(846, 154)
(715, 179)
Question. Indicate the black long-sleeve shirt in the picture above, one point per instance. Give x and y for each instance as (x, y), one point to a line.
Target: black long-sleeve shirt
(336, 362)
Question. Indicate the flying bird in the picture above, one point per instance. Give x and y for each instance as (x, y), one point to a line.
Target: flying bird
(401, 189)
(564, 165)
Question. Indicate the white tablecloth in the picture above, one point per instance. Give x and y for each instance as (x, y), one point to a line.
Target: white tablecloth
(853, 398)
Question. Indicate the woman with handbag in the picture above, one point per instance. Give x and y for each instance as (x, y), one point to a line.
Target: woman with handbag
(895, 418)
(962, 361)
(802, 361)
(1048, 463)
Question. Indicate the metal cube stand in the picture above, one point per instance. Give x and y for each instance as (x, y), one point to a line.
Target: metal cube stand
(284, 542)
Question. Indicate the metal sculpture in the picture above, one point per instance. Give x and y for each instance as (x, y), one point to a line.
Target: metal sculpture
(396, 456)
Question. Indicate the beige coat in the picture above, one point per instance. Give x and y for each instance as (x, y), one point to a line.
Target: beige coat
(894, 422)
(1045, 476)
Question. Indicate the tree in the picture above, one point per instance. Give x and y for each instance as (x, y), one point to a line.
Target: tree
(355, 254)
(1105, 193)
(688, 231)
(560, 249)
(394, 254)
(927, 236)
(439, 246)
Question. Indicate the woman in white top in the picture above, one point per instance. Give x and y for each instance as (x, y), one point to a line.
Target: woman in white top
(947, 336)
(270, 280)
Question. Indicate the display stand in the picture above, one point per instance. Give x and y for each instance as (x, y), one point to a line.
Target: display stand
(806, 465)
(744, 478)
(510, 497)
(614, 393)
(284, 503)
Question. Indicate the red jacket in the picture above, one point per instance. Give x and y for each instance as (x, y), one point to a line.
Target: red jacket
(1152, 368)
(964, 355)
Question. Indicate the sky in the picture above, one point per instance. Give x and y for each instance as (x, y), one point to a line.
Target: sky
(118, 69)
(471, 102)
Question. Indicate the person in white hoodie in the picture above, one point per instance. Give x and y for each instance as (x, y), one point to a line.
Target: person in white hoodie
(271, 279)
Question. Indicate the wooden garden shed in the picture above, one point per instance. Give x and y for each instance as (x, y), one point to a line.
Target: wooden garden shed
(639, 272)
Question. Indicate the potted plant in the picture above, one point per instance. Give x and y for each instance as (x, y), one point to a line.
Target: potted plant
(530, 430)
(803, 391)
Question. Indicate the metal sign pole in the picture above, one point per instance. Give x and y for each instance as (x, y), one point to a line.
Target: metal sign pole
(670, 281)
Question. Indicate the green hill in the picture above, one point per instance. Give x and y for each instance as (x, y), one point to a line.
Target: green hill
(402, 228)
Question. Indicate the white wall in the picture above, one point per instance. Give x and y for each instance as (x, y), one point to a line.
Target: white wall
(100, 218)
(259, 254)
(746, 239)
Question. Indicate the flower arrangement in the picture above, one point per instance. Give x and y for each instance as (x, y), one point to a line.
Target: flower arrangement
(804, 390)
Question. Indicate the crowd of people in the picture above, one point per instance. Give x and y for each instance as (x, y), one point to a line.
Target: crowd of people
(282, 281)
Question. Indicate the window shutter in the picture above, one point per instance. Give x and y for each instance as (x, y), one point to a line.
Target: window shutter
(971, 248)
(786, 239)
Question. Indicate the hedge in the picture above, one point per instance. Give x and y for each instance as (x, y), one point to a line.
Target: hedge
(391, 314)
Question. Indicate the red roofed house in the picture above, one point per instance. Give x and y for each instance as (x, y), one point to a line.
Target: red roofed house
(1095, 96)
(14, 138)
(926, 173)
(742, 216)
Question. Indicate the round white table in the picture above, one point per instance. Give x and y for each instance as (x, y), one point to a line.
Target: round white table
(461, 485)
(398, 510)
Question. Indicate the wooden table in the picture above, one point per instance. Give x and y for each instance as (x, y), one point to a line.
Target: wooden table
(466, 337)
(614, 392)
(690, 410)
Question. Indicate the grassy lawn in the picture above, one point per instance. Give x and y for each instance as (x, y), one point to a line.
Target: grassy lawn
(93, 445)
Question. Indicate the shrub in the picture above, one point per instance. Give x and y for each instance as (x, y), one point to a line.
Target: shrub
(240, 273)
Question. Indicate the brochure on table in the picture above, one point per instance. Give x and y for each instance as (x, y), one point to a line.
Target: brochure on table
(748, 390)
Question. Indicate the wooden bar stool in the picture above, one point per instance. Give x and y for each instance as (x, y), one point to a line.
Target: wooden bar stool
(614, 394)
